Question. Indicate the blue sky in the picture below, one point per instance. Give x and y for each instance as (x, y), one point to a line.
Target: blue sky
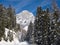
(29, 5)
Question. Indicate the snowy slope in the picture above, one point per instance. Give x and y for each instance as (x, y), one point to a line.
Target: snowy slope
(24, 18)
(15, 40)
(13, 43)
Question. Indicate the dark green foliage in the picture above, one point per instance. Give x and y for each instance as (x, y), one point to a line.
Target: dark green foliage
(11, 17)
(55, 35)
(46, 28)
(7, 20)
(29, 33)
(38, 29)
(2, 26)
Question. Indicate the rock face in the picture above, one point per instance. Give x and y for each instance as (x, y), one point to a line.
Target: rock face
(24, 18)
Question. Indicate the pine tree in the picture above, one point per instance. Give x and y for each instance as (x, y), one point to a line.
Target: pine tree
(46, 27)
(29, 33)
(54, 26)
(2, 26)
(38, 30)
(41, 27)
(11, 17)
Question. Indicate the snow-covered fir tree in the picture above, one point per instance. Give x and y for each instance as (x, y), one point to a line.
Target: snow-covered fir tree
(41, 27)
(46, 27)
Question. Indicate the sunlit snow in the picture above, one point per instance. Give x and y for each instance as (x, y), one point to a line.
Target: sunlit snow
(15, 40)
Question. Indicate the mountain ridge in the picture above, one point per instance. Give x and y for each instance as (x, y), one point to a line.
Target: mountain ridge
(24, 18)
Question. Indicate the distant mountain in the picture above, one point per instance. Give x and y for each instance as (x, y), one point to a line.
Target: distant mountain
(24, 18)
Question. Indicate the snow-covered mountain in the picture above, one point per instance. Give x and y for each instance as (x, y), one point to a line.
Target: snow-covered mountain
(24, 18)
